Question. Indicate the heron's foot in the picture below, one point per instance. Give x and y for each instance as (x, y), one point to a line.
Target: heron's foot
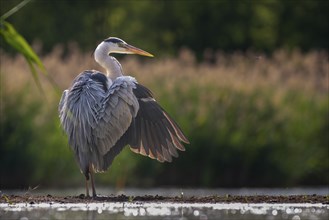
(83, 196)
(96, 197)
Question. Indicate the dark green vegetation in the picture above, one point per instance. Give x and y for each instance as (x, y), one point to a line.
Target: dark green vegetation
(252, 119)
(164, 26)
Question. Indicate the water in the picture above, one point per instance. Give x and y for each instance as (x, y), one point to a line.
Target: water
(167, 210)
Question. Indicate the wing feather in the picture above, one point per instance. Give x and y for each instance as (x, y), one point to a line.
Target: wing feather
(116, 115)
(157, 135)
(96, 117)
(77, 114)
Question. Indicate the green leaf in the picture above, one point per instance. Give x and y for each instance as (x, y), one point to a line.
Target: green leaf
(15, 40)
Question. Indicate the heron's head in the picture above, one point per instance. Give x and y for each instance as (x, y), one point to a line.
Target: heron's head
(116, 45)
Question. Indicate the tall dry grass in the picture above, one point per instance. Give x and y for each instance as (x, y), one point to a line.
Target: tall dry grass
(247, 115)
(244, 72)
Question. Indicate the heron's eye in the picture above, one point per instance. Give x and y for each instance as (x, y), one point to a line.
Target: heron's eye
(120, 44)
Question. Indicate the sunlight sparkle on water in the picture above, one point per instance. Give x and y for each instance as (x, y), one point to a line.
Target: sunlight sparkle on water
(130, 210)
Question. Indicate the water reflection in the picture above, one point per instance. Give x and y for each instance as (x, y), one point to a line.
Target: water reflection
(141, 210)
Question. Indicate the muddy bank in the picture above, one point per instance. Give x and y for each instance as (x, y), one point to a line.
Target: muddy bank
(34, 199)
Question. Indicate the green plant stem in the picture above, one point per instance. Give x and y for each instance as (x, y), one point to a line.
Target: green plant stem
(14, 9)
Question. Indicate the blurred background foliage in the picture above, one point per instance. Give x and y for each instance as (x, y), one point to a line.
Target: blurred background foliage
(246, 80)
(163, 26)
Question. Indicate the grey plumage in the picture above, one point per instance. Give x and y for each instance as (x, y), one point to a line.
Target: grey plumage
(103, 114)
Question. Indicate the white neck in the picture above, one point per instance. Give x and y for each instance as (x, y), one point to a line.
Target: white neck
(110, 64)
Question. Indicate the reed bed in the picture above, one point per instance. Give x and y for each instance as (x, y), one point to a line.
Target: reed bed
(253, 120)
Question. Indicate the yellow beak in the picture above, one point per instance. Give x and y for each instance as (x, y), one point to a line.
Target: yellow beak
(135, 50)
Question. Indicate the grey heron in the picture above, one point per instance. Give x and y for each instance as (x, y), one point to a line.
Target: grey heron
(103, 113)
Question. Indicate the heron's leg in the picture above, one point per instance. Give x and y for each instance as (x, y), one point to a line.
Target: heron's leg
(87, 188)
(92, 181)
(93, 185)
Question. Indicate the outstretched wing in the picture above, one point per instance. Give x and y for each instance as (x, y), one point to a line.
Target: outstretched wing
(152, 132)
(155, 133)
